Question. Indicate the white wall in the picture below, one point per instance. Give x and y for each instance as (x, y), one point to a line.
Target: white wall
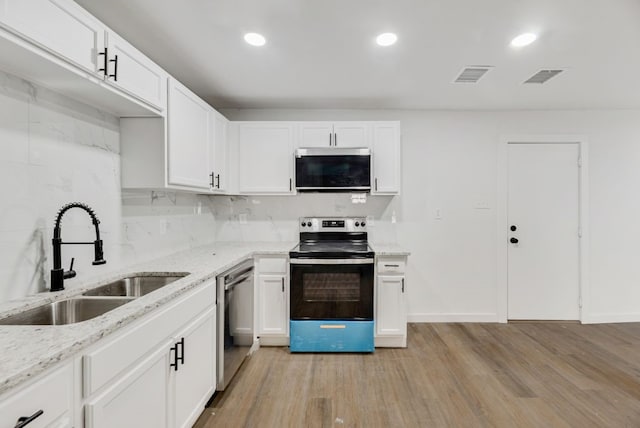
(450, 164)
(53, 151)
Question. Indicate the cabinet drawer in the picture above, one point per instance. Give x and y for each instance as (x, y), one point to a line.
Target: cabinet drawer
(53, 394)
(391, 266)
(104, 363)
(272, 265)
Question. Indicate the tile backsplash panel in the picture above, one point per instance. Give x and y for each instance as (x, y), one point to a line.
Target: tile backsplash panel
(54, 150)
(275, 218)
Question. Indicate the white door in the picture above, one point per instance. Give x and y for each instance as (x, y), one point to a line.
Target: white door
(351, 134)
(273, 305)
(195, 378)
(189, 140)
(61, 27)
(135, 73)
(391, 312)
(386, 158)
(315, 134)
(266, 157)
(543, 254)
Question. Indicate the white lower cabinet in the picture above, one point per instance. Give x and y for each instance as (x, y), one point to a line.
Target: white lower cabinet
(48, 400)
(195, 377)
(273, 300)
(139, 398)
(391, 303)
(159, 372)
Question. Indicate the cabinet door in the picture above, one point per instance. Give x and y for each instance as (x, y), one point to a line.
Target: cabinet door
(351, 134)
(195, 378)
(391, 312)
(273, 311)
(386, 158)
(188, 130)
(266, 157)
(59, 26)
(135, 73)
(140, 398)
(315, 134)
(52, 393)
(218, 150)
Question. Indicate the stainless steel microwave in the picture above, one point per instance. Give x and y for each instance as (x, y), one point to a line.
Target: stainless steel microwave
(333, 170)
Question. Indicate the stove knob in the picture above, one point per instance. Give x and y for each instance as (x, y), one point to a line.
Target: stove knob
(357, 224)
(304, 224)
(363, 224)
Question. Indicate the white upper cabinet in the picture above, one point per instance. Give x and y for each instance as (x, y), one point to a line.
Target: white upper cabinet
(60, 27)
(386, 158)
(334, 134)
(218, 152)
(133, 72)
(65, 31)
(265, 157)
(188, 138)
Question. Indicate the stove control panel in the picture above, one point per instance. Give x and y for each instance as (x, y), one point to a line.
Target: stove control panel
(333, 224)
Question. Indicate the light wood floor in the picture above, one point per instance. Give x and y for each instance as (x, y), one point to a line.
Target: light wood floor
(451, 375)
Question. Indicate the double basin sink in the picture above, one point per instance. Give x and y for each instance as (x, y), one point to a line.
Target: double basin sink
(92, 303)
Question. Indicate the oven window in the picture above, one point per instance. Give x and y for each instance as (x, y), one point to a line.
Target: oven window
(330, 287)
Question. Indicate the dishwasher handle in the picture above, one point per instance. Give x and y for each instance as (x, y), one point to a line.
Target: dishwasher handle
(238, 280)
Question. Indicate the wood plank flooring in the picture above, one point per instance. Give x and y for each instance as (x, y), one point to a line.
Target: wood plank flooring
(451, 375)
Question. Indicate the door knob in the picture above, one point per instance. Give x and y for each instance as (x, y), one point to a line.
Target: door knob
(513, 240)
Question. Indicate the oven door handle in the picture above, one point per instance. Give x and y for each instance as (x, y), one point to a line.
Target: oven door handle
(296, 261)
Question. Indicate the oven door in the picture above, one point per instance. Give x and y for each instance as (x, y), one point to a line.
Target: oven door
(331, 289)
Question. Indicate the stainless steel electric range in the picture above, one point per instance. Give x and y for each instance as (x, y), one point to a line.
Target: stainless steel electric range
(332, 277)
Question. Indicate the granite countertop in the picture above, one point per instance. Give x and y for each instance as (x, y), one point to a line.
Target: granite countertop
(29, 350)
(389, 250)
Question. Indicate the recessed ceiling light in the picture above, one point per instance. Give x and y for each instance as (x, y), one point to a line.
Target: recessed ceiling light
(523, 40)
(386, 39)
(255, 39)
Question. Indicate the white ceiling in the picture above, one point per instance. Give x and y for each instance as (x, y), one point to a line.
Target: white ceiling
(321, 53)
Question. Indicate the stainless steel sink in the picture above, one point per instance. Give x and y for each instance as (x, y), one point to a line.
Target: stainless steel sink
(67, 311)
(134, 286)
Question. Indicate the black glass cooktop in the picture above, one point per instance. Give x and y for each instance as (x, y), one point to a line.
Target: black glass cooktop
(332, 249)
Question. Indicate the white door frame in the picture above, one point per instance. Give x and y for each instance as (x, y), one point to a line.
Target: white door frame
(502, 219)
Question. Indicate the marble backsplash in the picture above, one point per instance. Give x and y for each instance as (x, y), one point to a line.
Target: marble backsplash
(54, 150)
(275, 218)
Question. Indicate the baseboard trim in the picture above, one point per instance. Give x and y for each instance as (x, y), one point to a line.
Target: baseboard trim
(274, 340)
(453, 317)
(611, 318)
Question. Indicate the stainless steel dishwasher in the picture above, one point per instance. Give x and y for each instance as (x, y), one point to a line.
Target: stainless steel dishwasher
(235, 320)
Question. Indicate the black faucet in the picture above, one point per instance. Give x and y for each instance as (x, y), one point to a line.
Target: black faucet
(58, 274)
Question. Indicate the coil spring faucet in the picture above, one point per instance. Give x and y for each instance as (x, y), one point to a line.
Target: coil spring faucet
(58, 274)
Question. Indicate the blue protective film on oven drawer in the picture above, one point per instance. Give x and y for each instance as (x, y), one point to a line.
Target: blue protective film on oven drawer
(331, 336)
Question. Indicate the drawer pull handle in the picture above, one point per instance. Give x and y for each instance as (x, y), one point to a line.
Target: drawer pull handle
(391, 265)
(331, 326)
(25, 420)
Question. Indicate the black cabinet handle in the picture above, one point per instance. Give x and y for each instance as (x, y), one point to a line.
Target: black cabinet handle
(403, 285)
(104, 67)
(513, 240)
(391, 265)
(174, 349)
(290, 185)
(329, 138)
(115, 68)
(283, 284)
(376, 180)
(25, 420)
(181, 357)
(218, 179)
(211, 183)
(513, 228)
(335, 139)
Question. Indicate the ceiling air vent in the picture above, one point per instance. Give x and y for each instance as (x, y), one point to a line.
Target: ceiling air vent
(472, 73)
(542, 76)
